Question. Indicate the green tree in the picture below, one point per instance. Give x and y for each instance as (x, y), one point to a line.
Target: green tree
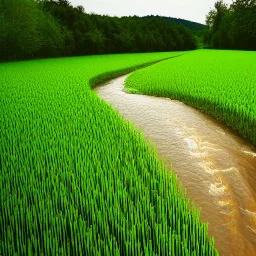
(232, 27)
(19, 34)
(215, 20)
(243, 30)
(28, 32)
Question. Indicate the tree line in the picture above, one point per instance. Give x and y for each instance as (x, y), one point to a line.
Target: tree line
(232, 27)
(53, 28)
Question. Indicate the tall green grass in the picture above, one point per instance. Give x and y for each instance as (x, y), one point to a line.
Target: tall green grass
(220, 83)
(76, 179)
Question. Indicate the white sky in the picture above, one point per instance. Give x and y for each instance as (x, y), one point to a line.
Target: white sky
(193, 10)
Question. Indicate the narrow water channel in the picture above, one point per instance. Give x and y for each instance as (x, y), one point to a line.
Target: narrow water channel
(215, 166)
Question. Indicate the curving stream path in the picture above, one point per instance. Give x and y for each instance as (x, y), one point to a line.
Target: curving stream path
(215, 166)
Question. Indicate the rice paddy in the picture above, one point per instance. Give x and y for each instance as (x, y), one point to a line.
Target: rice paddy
(218, 82)
(76, 179)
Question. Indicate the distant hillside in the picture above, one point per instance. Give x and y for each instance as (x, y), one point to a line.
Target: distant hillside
(194, 26)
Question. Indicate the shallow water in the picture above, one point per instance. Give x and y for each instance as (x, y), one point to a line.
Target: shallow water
(215, 166)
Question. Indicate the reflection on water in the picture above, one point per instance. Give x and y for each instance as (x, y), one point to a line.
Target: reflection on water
(217, 167)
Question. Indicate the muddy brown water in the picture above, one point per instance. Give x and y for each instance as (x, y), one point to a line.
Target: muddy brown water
(215, 166)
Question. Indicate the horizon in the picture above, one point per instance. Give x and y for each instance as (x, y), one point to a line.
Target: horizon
(195, 11)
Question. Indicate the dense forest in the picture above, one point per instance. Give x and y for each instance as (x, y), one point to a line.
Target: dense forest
(51, 28)
(54, 28)
(232, 27)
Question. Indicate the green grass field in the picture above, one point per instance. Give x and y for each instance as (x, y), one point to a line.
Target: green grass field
(76, 179)
(220, 83)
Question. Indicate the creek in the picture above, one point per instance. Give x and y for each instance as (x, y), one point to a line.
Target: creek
(215, 166)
